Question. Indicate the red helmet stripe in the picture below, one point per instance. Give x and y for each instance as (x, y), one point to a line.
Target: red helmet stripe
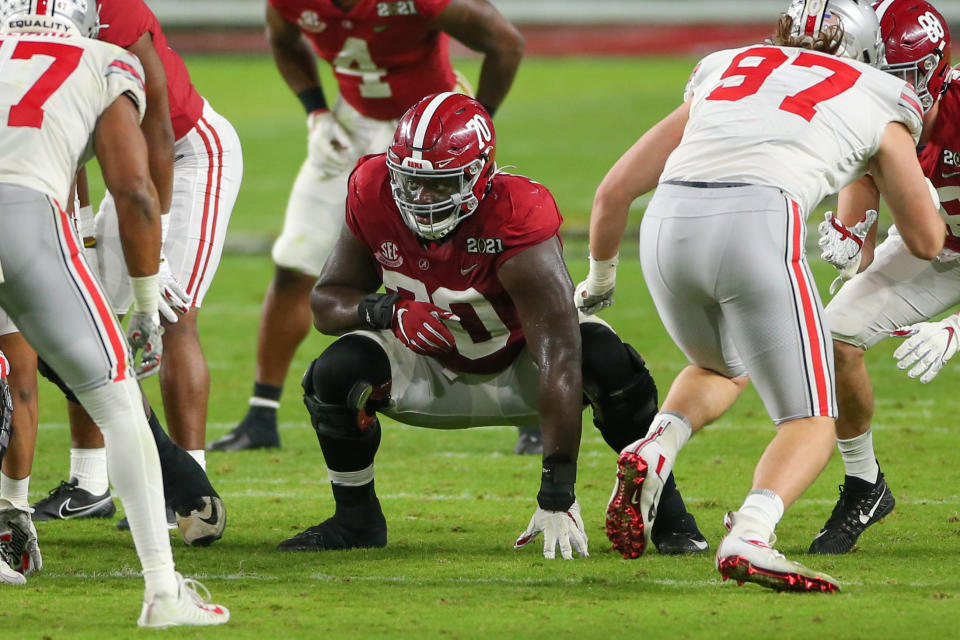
(811, 26)
(42, 7)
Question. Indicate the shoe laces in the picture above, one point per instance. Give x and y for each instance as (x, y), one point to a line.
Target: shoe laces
(65, 485)
(195, 591)
(846, 513)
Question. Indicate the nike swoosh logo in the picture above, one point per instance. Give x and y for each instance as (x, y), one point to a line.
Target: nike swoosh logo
(212, 520)
(66, 511)
(380, 27)
(864, 519)
(467, 270)
(179, 157)
(949, 175)
(699, 544)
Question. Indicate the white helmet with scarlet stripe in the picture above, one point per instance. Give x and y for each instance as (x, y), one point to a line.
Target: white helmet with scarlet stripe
(69, 17)
(857, 19)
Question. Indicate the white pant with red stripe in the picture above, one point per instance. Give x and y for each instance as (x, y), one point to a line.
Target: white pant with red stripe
(207, 169)
(727, 272)
(52, 295)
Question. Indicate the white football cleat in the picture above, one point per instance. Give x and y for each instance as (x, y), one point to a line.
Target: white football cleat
(203, 525)
(19, 548)
(187, 608)
(751, 560)
(641, 474)
(9, 576)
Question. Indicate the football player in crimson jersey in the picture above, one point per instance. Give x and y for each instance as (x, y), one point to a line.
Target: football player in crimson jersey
(385, 56)
(894, 289)
(196, 163)
(91, 100)
(721, 246)
(475, 328)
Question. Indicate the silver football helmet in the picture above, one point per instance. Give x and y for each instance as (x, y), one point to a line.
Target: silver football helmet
(861, 27)
(78, 17)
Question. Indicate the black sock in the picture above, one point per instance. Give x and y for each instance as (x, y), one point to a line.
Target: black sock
(184, 480)
(261, 416)
(353, 497)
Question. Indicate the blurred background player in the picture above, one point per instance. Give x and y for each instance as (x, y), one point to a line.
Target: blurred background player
(197, 164)
(476, 328)
(67, 95)
(383, 64)
(894, 288)
(721, 246)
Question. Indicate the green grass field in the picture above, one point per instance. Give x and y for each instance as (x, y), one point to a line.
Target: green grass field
(455, 501)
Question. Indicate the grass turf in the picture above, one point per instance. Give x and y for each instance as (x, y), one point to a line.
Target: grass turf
(456, 500)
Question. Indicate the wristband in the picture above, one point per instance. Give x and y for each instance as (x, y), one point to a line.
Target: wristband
(556, 485)
(603, 275)
(313, 99)
(146, 293)
(376, 310)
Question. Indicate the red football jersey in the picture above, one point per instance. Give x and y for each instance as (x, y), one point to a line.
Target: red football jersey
(384, 54)
(940, 159)
(459, 273)
(124, 22)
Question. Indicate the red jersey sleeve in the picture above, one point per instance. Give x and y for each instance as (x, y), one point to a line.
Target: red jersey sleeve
(359, 194)
(530, 215)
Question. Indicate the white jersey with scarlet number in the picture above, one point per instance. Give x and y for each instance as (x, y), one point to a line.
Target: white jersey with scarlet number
(53, 90)
(801, 121)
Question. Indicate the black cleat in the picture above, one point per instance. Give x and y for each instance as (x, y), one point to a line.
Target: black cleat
(675, 530)
(69, 502)
(529, 443)
(249, 434)
(860, 505)
(349, 528)
(124, 525)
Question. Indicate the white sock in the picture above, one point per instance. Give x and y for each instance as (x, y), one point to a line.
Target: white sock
(16, 491)
(89, 467)
(200, 455)
(671, 431)
(859, 459)
(134, 465)
(351, 478)
(764, 508)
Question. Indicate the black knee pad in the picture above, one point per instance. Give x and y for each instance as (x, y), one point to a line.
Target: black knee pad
(617, 385)
(345, 386)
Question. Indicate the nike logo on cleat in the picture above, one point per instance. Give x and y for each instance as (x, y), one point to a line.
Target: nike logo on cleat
(212, 520)
(865, 517)
(66, 511)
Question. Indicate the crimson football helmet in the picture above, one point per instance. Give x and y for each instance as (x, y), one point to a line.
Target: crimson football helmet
(861, 28)
(81, 17)
(917, 46)
(441, 162)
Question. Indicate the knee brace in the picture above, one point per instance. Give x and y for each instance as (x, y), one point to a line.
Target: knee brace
(44, 369)
(344, 387)
(618, 386)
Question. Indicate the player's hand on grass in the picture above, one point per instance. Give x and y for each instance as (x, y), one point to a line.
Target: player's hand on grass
(328, 144)
(841, 245)
(564, 528)
(929, 346)
(19, 547)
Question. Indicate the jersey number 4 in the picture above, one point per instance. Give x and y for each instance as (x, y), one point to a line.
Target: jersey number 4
(28, 112)
(803, 103)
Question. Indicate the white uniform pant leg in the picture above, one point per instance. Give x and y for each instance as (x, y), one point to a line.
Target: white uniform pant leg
(727, 272)
(207, 172)
(315, 212)
(51, 294)
(896, 290)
